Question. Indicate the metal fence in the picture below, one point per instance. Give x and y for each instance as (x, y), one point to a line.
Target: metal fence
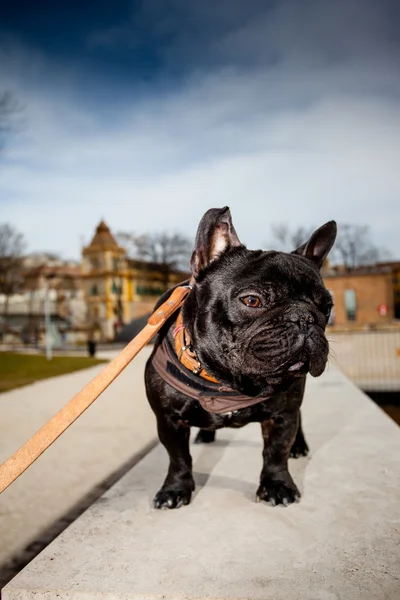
(370, 358)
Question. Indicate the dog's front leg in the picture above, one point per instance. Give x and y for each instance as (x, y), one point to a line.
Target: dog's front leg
(179, 483)
(276, 483)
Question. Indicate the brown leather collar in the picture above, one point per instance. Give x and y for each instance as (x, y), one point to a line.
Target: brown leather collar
(185, 353)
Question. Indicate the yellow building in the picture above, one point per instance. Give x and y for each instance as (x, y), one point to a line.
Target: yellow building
(118, 289)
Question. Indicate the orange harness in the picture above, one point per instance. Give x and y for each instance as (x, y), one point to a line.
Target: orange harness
(185, 352)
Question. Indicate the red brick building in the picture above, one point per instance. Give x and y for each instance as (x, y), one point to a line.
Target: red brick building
(366, 296)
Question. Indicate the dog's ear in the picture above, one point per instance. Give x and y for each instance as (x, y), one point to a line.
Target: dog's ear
(215, 235)
(320, 243)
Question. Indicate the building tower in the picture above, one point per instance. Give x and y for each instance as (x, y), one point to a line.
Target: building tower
(106, 283)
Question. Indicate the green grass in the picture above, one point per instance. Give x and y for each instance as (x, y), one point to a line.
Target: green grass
(17, 370)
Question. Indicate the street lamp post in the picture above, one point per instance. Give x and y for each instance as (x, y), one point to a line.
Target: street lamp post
(47, 318)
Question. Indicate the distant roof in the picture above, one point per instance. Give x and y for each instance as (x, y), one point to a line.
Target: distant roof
(341, 271)
(103, 237)
(146, 265)
(394, 264)
(65, 271)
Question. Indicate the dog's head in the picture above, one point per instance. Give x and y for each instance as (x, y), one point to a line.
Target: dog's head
(256, 318)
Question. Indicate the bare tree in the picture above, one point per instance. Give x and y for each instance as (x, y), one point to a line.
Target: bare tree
(31, 284)
(171, 252)
(285, 239)
(353, 247)
(128, 241)
(12, 245)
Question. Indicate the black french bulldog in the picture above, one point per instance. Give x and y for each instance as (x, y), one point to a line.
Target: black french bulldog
(256, 323)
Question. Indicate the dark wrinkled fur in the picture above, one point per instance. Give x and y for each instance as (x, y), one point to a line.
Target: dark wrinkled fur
(250, 350)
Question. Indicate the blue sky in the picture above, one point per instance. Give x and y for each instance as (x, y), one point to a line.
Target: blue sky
(149, 113)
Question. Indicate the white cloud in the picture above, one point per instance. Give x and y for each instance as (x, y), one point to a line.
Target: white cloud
(293, 142)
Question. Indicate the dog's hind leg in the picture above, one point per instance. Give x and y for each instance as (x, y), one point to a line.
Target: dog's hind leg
(205, 437)
(300, 446)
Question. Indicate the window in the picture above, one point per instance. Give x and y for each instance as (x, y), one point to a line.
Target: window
(94, 290)
(331, 320)
(350, 305)
(115, 264)
(149, 291)
(95, 263)
(115, 289)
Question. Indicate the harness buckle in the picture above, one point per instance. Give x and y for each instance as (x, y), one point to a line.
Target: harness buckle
(182, 350)
(197, 370)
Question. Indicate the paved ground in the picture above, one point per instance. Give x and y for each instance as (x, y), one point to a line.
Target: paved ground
(116, 428)
(340, 542)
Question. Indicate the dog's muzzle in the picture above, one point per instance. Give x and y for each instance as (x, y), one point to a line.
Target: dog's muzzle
(296, 345)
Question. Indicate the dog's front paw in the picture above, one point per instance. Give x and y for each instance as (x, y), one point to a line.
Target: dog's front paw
(277, 490)
(173, 497)
(299, 448)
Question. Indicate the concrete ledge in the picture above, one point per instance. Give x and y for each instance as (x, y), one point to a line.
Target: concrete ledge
(112, 432)
(341, 541)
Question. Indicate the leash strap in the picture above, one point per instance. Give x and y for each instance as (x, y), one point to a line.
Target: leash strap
(14, 466)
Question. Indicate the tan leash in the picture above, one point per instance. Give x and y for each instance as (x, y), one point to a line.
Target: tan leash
(14, 466)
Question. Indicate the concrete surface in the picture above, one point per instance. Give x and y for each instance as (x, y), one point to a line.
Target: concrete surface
(113, 430)
(341, 541)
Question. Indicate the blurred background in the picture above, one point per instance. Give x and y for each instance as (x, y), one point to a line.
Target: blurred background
(121, 123)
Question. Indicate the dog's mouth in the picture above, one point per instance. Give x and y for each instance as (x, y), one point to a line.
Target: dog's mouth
(299, 368)
(264, 383)
(291, 370)
(295, 367)
(295, 356)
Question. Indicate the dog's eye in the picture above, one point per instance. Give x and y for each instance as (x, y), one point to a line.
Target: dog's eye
(251, 301)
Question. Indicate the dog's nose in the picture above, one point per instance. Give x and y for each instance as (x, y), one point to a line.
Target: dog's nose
(300, 316)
